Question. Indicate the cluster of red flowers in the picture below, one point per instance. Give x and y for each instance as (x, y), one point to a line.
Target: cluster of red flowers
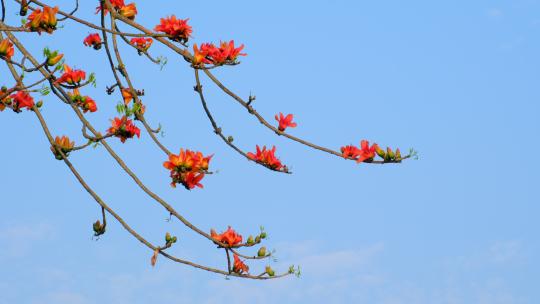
(84, 102)
(210, 54)
(21, 100)
(6, 49)
(239, 266)
(44, 20)
(64, 144)
(71, 77)
(285, 121)
(229, 237)
(129, 11)
(123, 128)
(177, 29)
(187, 168)
(93, 40)
(267, 158)
(141, 43)
(367, 153)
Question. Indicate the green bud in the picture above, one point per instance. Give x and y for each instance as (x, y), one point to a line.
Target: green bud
(250, 240)
(270, 271)
(39, 104)
(261, 252)
(167, 237)
(291, 269)
(380, 152)
(258, 239)
(263, 235)
(230, 139)
(174, 239)
(390, 153)
(398, 154)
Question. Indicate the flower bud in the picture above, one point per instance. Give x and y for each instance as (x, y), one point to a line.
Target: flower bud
(261, 252)
(174, 239)
(270, 271)
(250, 240)
(54, 58)
(390, 153)
(167, 237)
(24, 8)
(263, 235)
(398, 155)
(380, 152)
(258, 239)
(39, 104)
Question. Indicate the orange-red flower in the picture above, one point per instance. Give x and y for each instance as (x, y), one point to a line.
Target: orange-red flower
(5, 99)
(142, 43)
(350, 152)
(267, 158)
(178, 29)
(187, 168)
(123, 128)
(239, 266)
(64, 144)
(229, 237)
(127, 96)
(93, 40)
(44, 20)
(71, 77)
(6, 49)
(21, 100)
(129, 11)
(84, 102)
(116, 4)
(285, 121)
(366, 152)
(209, 53)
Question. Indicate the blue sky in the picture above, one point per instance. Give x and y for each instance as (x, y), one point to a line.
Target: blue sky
(457, 81)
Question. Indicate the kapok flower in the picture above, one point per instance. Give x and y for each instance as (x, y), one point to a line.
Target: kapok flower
(285, 121)
(129, 11)
(71, 77)
(116, 4)
(209, 53)
(199, 55)
(127, 95)
(187, 168)
(6, 49)
(350, 152)
(232, 53)
(177, 29)
(4, 98)
(123, 128)
(229, 237)
(141, 43)
(267, 158)
(93, 40)
(239, 266)
(21, 100)
(64, 144)
(84, 102)
(366, 152)
(44, 20)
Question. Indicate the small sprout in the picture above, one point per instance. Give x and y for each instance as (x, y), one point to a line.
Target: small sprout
(291, 269)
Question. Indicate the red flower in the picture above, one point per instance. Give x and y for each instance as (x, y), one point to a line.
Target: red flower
(116, 4)
(199, 55)
(178, 29)
(22, 100)
(129, 11)
(142, 43)
(43, 20)
(366, 152)
(84, 102)
(127, 95)
(187, 168)
(6, 49)
(93, 40)
(123, 128)
(227, 48)
(285, 121)
(209, 53)
(229, 237)
(350, 152)
(267, 158)
(239, 266)
(71, 77)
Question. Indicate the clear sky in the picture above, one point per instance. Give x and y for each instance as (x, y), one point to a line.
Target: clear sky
(456, 80)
